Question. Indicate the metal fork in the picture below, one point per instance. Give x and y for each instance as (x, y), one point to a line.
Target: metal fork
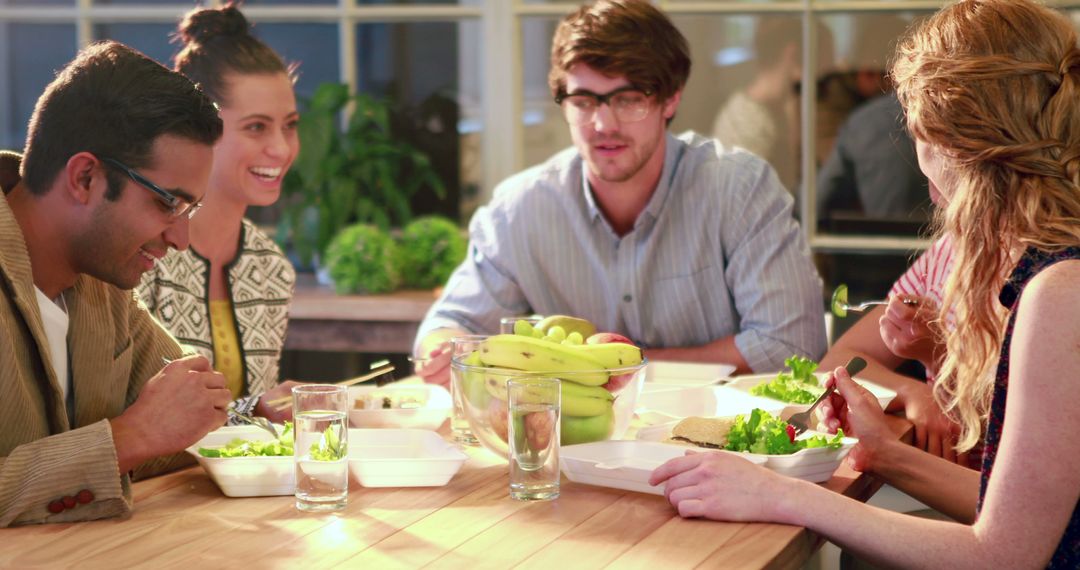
(253, 420)
(801, 421)
(259, 422)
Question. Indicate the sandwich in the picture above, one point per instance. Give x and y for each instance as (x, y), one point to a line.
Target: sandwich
(702, 432)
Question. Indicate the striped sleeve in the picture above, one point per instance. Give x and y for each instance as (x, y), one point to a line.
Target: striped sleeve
(926, 277)
(36, 473)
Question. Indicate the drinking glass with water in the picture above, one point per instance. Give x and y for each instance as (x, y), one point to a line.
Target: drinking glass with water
(533, 431)
(321, 447)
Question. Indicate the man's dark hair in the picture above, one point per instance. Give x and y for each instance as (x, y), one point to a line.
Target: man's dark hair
(112, 101)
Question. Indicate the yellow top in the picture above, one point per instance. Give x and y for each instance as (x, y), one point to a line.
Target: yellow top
(227, 359)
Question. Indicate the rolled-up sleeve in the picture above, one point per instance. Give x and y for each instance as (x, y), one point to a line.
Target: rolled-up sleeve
(775, 286)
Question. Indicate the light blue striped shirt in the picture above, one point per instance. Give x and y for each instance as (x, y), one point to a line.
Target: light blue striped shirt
(715, 253)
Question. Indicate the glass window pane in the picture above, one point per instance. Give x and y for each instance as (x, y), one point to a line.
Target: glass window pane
(30, 54)
(313, 46)
(37, 2)
(544, 128)
(868, 180)
(363, 2)
(292, 2)
(122, 2)
(431, 75)
(151, 39)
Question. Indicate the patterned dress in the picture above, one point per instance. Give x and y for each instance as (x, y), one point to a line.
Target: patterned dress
(1067, 554)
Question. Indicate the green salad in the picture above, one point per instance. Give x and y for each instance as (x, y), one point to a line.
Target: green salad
(763, 433)
(800, 386)
(252, 448)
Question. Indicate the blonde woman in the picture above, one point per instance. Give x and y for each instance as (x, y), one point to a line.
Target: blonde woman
(991, 89)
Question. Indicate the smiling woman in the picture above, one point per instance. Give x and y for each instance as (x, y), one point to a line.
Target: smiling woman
(197, 293)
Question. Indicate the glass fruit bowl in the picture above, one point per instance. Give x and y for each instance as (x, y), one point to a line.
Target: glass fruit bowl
(587, 414)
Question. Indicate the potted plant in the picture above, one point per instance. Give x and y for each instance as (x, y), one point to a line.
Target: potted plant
(359, 174)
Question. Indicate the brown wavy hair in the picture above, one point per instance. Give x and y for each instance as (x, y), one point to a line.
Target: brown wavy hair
(628, 38)
(993, 86)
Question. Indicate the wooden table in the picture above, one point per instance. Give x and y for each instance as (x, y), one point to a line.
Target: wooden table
(182, 520)
(322, 320)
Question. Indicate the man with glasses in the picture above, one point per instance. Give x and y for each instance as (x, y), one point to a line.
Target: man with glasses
(91, 388)
(687, 248)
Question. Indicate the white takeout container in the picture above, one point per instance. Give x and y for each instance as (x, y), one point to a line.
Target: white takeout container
(436, 407)
(663, 405)
(622, 464)
(686, 373)
(815, 464)
(402, 458)
(745, 383)
(246, 476)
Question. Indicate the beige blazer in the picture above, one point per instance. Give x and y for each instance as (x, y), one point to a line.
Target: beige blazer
(114, 347)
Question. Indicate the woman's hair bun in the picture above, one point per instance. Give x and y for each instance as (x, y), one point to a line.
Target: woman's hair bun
(201, 26)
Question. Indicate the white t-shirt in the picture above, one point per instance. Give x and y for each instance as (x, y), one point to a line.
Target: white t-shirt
(55, 320)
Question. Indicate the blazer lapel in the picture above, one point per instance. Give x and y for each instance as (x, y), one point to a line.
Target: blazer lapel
(15, 267)
(97, 383)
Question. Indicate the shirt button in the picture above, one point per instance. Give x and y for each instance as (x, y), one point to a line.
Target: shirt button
(56, 507)
(84, 496)
(627, 298)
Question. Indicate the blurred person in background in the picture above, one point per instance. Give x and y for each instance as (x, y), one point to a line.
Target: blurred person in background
(763, 116)
(871, 170)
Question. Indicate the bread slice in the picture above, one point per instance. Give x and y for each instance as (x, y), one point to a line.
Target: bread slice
(703, 432)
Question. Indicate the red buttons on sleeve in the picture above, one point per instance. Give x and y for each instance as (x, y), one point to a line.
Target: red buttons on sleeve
(70, 502)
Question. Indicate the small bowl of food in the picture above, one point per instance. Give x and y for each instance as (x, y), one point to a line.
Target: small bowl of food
(246, 461)
(408, 406)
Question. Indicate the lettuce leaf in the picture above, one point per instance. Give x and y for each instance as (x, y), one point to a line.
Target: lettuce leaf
(761, 432)
(800, 386)
(283, 446)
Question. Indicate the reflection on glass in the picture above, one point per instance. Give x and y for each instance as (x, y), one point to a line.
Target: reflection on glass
(430, 73)
(29, 54)
(869, 181)
(761, 112)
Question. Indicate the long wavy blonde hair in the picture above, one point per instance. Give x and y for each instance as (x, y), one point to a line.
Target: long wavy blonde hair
(994, 86)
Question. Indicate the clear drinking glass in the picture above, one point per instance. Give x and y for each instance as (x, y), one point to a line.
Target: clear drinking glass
(460, 347)
(320, 448)
(533, 432)
(506, 324)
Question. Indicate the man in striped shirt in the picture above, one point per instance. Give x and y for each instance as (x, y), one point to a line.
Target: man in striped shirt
(685, 247)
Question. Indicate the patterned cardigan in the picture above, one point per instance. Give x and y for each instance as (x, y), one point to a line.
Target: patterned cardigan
(260, 283)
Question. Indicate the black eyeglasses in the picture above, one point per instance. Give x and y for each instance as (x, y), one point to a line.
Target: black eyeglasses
(177, 205)
(629, 104)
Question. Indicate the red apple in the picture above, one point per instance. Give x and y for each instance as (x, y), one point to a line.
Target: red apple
(606, 337)
(618, 382)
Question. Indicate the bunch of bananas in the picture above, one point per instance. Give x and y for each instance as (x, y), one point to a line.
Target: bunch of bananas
(557, 345)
